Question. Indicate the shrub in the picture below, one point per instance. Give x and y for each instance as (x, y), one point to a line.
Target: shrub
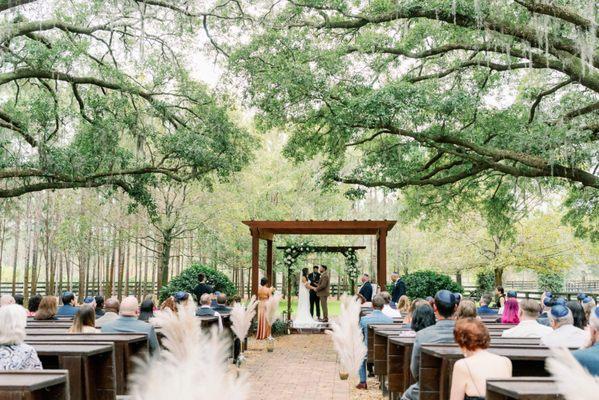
(551, 281)
(485, 283)
(278, 328)
(188, 279)
(421, 284)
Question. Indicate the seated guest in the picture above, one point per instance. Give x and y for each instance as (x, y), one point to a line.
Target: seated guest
(441, 332)
(403, 305)
(458, 298)
(580, 319)
(19, 299)
(99, 306)
(68, 308)
(528, 326)
(47, 309)
(111, 312)
(500, 294)
(213, 302)
(580, 297)
(169, 304)
(146, 310)
(564, 333)
(589, 356)
(182, 298)
(387, 310)
(422, 317)
(466, 309)
(470, 374)
(484, 308)
(221, 304)
(415, 303)
(33, 304)
(511, 310)
(84, 321)
(547, 301)
(375, 317)
(588, 304)
(365, 293)
(90, 301)
(206, 311)
(14, 353)
(128, 322)
(6, 300)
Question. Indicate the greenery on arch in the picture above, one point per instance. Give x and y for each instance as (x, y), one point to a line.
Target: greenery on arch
(188, 279)
(295, 250)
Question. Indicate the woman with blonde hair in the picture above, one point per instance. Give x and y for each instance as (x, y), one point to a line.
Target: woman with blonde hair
(169, 304)
(15, 355)
(403, 305)
(466, 309)
(47, 309)
(84, 321)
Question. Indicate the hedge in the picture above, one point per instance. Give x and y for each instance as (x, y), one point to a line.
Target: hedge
(188, 279)
(421, 284)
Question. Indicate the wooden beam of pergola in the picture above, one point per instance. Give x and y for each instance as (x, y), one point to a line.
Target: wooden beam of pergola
(267, 230)
(328, 249)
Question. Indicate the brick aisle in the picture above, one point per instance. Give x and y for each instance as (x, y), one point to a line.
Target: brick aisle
(301, 367)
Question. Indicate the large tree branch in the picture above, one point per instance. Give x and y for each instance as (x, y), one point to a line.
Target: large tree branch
(544, 93)
(557, 11)
(29, 27)
(8, 4)
(581, 111)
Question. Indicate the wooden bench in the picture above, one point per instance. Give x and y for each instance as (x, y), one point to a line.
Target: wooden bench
(126, 347)
(523, 388)
(34, 385)
(437, 361)
(91, 368)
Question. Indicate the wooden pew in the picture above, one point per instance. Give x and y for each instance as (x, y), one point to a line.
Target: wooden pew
(437, 360)
(399, 353)
(126, 347)
(34, 385)
(91, 368)
(522, 388)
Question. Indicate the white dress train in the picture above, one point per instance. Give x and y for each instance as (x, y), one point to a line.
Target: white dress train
(303, 319)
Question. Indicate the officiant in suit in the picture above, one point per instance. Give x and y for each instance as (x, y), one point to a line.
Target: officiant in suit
(314, 279)
(399, 288)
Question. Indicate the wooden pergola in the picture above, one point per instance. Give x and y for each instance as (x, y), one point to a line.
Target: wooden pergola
(266, 230)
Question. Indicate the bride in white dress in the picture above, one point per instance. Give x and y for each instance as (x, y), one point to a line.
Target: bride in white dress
(303, 319)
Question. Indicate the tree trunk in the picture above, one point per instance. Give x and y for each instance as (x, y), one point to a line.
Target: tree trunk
(2, 238)
(121, 269)
(28, 232)
(498, 276)
(15, 258)
(165, 255)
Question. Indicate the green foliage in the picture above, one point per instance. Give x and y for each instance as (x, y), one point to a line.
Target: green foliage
(188, 279)
(551, 281)
(485, 283)
(278, 328)
(421, 284)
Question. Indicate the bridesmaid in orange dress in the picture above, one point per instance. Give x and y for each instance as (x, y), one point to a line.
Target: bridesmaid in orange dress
(264, 293)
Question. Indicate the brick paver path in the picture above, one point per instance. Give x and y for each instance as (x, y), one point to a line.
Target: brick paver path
(301, 367)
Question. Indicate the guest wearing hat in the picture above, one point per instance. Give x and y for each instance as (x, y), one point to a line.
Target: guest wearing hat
(589, 356)
(580, 319)
(68, 308)
(564, 334)
(99, 306)
(90, 301)
(588, 304)
(529, 325)
(181, 298)
(580, 297)
(442, 332)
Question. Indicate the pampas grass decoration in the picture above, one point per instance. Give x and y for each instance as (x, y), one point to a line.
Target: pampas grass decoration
(192, 367)
(272, 310)
(347, 336)
(241, 318)
(573, 381)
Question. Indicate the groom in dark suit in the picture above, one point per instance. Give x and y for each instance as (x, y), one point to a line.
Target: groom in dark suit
(314, 279)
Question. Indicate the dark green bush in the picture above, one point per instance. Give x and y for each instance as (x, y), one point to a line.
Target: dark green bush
(188, 279)
(278, 328)
(485, 283)
(551, 281)
(421, 284)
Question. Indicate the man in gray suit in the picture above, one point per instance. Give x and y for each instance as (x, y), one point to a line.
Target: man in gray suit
(128, 322)
(442, 332)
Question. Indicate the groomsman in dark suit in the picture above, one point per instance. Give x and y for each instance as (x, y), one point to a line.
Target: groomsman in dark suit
(399, 288)
(314, 279)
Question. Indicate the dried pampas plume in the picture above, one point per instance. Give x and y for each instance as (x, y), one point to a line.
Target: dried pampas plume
(272, 308)
(347, 335)
(573, 381)
(241, 318)
(193, 366)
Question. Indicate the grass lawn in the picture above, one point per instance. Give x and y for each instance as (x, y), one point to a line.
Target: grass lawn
(333, 304)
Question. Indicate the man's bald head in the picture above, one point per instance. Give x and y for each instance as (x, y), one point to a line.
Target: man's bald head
(129, 307)
(112, 305)
(6, 300)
